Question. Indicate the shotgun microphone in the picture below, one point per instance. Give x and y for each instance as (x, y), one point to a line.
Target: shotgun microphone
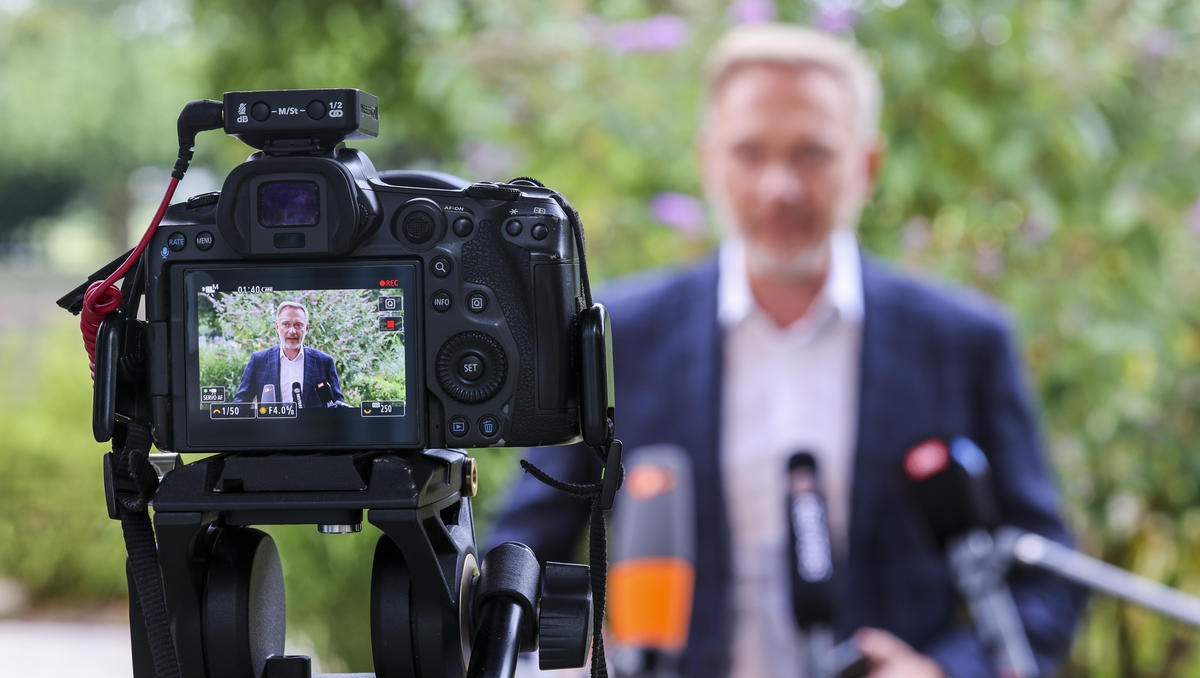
(950, 485)
(652, 577)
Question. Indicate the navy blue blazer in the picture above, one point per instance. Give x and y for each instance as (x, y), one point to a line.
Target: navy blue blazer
(263, 368)
(934, 362)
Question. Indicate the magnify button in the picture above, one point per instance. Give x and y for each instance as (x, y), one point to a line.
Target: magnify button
(441, 266)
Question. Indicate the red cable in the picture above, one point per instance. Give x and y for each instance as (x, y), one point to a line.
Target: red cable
(103, 296)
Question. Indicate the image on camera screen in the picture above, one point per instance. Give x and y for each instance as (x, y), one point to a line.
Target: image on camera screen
(267, 353)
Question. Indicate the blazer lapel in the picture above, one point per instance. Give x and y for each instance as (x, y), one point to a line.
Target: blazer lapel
(273, 371)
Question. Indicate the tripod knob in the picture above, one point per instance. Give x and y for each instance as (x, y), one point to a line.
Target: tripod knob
(565, 616)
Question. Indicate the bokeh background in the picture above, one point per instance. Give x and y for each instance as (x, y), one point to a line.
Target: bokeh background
(1045, 151)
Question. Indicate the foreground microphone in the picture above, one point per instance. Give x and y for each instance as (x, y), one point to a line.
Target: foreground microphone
(296, 394)
(325, 394)
(811, 557)
(951, 486)
(652, 577)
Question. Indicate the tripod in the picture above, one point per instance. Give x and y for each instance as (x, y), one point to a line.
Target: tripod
(223, 586)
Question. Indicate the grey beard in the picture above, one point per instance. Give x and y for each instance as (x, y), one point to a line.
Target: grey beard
(803, 265)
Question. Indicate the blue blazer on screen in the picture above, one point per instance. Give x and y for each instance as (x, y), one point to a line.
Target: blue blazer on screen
(263, 369)
(934, 362)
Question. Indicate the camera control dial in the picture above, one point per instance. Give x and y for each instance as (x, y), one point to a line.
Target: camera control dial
(471, 367)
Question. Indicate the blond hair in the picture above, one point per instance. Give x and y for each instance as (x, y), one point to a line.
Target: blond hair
(801, 47)
(292, 304)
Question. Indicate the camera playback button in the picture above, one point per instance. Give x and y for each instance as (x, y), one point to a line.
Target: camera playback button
(459, 426)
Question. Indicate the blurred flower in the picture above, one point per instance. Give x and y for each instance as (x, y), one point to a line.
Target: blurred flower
(1035, 230)
(836, 18)
(915, 234)
(659, 33)
(678, 210)
(1160, 43)
(989, 261)
(488, 160)
(752, 11)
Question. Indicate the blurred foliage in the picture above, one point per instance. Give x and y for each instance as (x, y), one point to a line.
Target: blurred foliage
(342, 324)
(1044, 151)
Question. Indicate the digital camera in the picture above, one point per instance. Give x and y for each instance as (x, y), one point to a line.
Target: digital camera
(315, 304)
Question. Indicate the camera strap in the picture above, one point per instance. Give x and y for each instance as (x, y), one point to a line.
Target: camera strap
(600, 494)
(134, 482)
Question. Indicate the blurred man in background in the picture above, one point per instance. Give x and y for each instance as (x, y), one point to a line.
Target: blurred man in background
(789, 338)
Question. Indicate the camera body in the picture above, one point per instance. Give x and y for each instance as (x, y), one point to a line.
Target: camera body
(434, 313)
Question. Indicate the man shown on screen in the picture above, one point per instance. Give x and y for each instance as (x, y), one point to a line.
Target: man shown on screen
(290, 371)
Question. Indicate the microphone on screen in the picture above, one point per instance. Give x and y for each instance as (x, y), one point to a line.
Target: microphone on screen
(296, 397)
(652, 577)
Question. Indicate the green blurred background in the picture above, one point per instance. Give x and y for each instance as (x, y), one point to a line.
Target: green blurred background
(1044, 151)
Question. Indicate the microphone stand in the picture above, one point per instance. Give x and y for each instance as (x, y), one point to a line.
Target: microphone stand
(1012, 544)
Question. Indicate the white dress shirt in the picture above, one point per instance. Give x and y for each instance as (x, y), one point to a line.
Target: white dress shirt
(785, 389)
(290, 372)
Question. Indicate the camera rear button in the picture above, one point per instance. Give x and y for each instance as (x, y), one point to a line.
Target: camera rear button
(513, 226)
(489, 426)
(463, 227)
(539, 231)
(470, 367)
(459, 426)
(204, 240)
(441, 266)
(177, 241)
(477, 302)
(442, 301)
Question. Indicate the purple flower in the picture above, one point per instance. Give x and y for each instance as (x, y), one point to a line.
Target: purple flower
(752, 11)
(488, 160)
(1160, 43)
(1035, 230)
(916, 234)
(989, 261)
(659, 33)
(835, 18)
(679, 211)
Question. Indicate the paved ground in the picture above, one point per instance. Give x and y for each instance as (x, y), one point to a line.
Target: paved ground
(50, 649)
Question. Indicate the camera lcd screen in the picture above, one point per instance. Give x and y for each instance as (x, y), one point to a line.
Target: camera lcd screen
(289, 203)
(323, 356)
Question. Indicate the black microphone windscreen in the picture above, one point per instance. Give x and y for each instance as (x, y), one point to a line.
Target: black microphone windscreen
(950, 484)
(324, 392)
(810, 551)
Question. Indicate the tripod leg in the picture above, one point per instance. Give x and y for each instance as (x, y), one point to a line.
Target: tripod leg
(244, 609)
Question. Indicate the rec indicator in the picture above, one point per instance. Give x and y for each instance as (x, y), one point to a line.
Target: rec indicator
(382, 408)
